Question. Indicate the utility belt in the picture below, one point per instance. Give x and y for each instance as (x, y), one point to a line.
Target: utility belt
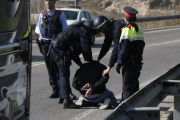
(63, 59)
(45, 41)
(134, 58)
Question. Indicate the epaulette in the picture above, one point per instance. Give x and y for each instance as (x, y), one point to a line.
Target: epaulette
(58, 12)
(129, 26)
(43, 13)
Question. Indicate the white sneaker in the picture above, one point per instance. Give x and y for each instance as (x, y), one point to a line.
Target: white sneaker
(105, 104)
(79, 101)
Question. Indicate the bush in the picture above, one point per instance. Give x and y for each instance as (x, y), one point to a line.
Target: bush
(107, 4)
(155, 3)
(167, 3)
(176, 2)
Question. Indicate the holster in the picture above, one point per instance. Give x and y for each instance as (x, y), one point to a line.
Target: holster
(64, 59)
(134, 58)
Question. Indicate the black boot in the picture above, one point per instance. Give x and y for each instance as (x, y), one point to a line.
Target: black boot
(72, 96)
(68, 104)
(60, 100)
(54, 95)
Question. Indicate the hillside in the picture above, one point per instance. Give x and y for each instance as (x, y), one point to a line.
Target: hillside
(114, 9)
(144, 6)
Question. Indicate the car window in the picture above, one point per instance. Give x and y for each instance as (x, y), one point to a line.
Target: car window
(87, 15)
(82, 15)
(70, 15)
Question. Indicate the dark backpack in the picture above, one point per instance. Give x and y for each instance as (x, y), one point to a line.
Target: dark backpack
(74, 49)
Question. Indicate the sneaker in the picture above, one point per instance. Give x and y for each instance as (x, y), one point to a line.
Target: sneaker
(105, 105)
(79, 101)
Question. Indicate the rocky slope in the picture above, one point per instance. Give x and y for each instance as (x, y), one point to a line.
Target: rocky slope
(141, 5)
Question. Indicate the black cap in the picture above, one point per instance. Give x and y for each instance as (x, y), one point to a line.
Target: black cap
(130, 10)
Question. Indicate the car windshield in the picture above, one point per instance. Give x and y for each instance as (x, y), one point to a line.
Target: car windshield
(70, 15)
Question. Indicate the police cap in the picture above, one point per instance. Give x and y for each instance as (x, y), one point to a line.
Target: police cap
(130, 12)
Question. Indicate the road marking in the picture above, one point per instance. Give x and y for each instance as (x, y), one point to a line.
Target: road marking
(97, 53)
(168, 42)
(155, 31)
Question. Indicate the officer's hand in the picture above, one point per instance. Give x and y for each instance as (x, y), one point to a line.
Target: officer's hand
(118, 67)
(106, 71)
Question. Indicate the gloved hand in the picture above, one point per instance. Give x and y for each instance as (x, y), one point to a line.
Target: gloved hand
(118, 67)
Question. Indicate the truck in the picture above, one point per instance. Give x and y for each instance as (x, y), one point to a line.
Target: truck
(15, 59)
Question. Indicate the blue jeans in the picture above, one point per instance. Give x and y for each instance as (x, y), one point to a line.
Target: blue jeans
(107, 94)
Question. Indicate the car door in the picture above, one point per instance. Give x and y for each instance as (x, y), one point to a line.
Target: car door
(86, 15)
(82, 16)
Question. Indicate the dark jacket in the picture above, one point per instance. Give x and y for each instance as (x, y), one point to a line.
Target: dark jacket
(113, 35)
(91, 73)
(79, 41)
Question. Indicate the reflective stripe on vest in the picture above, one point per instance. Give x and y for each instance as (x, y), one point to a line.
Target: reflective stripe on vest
(131, 34)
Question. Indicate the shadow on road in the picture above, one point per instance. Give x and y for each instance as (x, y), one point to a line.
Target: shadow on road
(99, 45)
(37, 58)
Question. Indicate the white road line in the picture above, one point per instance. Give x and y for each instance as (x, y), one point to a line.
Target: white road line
(168, 42)
(155, 31)
(97, 53)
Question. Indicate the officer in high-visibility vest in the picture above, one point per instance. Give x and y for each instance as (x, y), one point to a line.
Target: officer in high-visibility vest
(130, 51)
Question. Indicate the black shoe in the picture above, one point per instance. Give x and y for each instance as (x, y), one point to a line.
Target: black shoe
(114, 106)
(54, 95)
(60, 100)
(68, 104)
(72, 96)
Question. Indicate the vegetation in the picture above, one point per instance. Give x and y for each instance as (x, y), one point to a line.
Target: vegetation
(177, 2)
(160, 4)
(155, 4)
(167, 3)
(97, 8)
(107, 4)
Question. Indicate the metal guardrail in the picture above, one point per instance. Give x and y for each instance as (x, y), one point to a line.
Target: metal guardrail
(142, 104)
(145, 19)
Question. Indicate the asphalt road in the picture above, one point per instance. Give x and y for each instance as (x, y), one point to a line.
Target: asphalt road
(161, 53)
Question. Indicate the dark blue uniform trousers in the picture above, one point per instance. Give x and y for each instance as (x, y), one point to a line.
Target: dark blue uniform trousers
(130, 75)
(51, 67)
(64, 73)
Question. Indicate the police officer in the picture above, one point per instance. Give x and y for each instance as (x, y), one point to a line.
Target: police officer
(112, 30)
(66, 46)
(131, 48)
(50, 23)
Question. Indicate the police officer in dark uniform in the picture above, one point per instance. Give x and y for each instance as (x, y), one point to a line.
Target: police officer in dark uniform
(112, 30)
(50, 23)
(66, 46)
(131, 48)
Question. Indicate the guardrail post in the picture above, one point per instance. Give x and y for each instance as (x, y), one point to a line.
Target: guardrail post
(172, 87)
(176, 113)
(154, 24)
(174, 22)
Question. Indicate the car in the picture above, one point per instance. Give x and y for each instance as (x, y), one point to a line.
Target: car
(75, 14)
